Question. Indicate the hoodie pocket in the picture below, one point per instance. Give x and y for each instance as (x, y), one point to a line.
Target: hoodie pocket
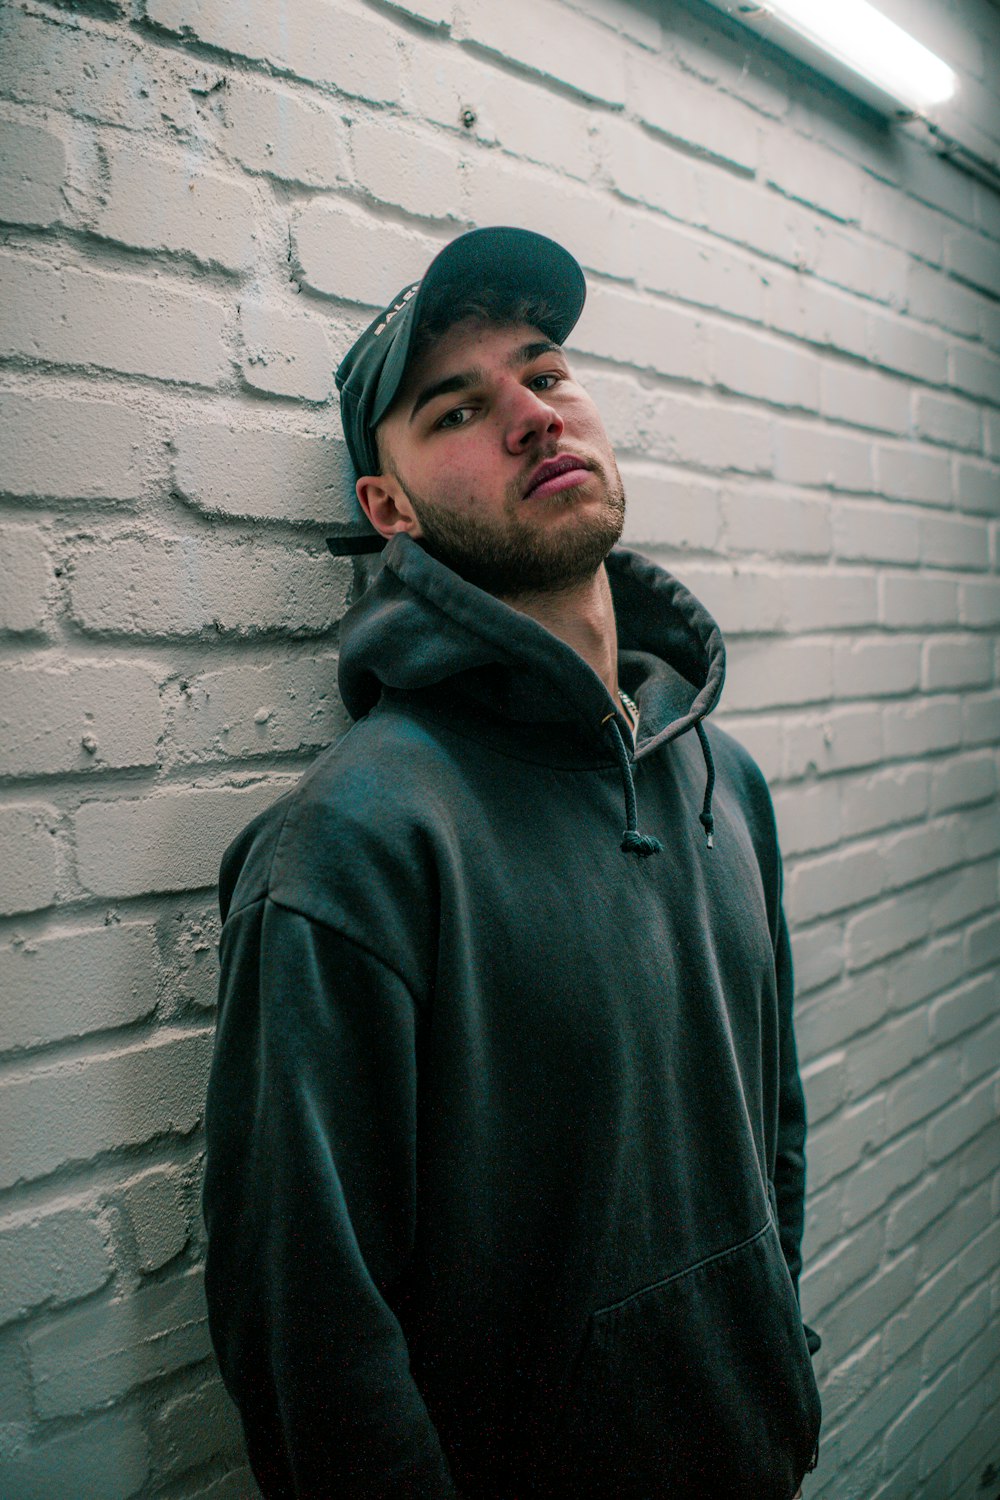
(698, 1385)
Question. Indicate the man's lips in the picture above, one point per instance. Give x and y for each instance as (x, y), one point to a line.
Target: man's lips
(557, 474)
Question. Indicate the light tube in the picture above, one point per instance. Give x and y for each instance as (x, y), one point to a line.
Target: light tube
(850, 39)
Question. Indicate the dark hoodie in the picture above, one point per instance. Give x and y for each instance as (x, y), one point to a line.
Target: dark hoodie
(505, 1126)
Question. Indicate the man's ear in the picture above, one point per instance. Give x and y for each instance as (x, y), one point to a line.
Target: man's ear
(387, 505)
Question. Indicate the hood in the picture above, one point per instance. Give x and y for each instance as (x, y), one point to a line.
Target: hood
(420, 626)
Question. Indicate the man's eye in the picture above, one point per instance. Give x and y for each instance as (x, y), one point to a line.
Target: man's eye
(457, 417)
(543, 382)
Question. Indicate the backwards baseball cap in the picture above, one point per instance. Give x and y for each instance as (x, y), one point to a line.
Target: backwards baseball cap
(514, 264)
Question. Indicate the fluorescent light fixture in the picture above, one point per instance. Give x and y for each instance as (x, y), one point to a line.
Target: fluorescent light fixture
(856, 45)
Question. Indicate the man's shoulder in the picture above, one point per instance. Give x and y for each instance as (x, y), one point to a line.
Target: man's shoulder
(362, 811)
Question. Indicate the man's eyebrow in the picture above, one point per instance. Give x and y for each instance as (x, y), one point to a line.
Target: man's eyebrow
(464, 380)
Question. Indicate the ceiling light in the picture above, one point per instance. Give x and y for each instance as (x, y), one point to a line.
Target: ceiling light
(855, 45)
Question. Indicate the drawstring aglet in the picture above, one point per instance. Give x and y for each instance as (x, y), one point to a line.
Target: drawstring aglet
(708, 823)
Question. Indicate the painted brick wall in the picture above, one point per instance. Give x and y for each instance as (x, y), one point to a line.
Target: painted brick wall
(794, 333)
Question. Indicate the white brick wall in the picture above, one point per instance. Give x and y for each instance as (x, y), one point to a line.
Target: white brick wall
(794, 333)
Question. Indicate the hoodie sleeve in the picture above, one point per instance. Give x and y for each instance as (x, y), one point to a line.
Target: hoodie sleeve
(790, 1160)
(310, 1208)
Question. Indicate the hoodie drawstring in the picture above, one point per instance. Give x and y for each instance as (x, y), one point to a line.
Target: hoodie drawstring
(633, 842)
(643, 844)
(705, 817)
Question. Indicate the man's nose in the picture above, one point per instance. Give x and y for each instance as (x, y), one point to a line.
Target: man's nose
(531, 418)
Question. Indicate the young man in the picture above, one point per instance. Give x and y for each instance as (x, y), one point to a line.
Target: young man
(505, 1126)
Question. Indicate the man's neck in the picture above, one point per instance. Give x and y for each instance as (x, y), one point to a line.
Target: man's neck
(584, 617)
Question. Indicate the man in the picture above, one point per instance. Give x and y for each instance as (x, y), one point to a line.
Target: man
(505, 1126)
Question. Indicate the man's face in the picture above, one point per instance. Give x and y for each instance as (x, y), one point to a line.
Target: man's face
(479, 451)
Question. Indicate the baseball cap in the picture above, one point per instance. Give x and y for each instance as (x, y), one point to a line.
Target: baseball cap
(517, 262)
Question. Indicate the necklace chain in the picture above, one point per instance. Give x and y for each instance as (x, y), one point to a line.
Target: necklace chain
(631, 706)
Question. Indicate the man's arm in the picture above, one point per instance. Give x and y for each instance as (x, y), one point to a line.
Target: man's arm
(310, 1207)
(790, 1161)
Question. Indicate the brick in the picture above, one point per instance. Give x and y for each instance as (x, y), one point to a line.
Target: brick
(688, 111)
(260, 473)
(651, 171)
(285, 356)
(333, 253)
(885, 798)
(747, 363)
(818, 956)
(945, 1240)
(167, 205)
(939, 419)
(872, 532)
(934, 297)
(835, 1145)
(693, 267)
(72, 1111)
(106, 1456)
(924, 1091)
(342, 45)
(951, 1433)
(851, 1260)
(920, 1415)
(929, 1199)
(668, 509)
(168, 841)
(77, 717)
(897, 344)
(917, 601)
(911, 473)
(50, 1258)
(953, 1127)
(977, 487)
(974, 373)
(849, 1381)
(828, 600)
(65, 448)
(883, 1054)
(191, 970)
(963, 893)
(782, 523)
(712, 435)
(832, 882)
(157, 1210)
(25, 580)
(956, 662)
(839, 740)
(879, 1178)
(922, 850)
(864, 398)
(919, 976)
(979, 605)
(842, 1014)
(819, 178)
(442, 83)
(761, 736)
(808, 817)
(564, 47)
(821, 315)
(845, 258)
(758, 218)
(963, 781)
(415, 173)
(32, 174)
(71, 317)
(99, 1353)
(28, 877)
(245, 711)
(77, 982)
(981, 1052)
(973, 258)
(824, 1084)
(808, 454)
(931, 1301)
(875, 667)
(742, 599)
(643, 333)
(981, 719)
(273, 130)
(185, 586)
(196, 1427)
(886, 928)
(869, 1306)
(952, 542)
